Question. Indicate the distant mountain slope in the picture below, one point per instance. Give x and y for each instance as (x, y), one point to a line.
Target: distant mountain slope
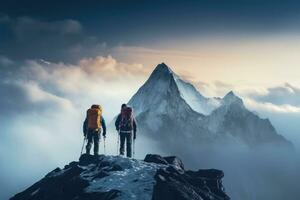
(114, 177)
(173, 111)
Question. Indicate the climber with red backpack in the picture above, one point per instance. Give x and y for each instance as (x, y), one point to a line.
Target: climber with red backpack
(93, 124)
(126, 127)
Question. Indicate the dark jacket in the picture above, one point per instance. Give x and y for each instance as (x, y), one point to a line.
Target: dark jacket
(85, 126)
(118, 121)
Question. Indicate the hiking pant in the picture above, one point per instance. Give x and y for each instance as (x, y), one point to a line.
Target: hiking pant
(128, 138)
(93, 136)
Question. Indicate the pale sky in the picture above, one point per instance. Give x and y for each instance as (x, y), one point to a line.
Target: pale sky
(257, 61)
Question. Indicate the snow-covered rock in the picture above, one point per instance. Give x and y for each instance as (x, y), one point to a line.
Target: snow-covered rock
(114, 177)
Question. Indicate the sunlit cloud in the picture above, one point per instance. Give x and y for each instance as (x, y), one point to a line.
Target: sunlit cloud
(100, 79)
(270, 107)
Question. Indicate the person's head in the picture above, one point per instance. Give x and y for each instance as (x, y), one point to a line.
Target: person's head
(96, 106)
(123, 106)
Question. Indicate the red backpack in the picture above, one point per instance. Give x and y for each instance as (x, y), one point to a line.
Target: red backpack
(126, 123)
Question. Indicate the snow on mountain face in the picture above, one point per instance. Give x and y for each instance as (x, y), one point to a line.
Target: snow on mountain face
(158, 106)
(164, 85)
(117, 178)
(168, 108)
(193, 97)
(232, 119)
(231, 98)
(154, 92)
(217, 117)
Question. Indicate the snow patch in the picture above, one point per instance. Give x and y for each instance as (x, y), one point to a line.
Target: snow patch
(194, 99)
(135, 181)
(35, 192)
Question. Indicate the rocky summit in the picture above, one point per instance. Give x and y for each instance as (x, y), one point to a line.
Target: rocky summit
(115, 177)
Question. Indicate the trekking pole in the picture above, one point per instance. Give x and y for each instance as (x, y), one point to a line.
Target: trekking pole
(84, 139)
(133, 149)
(118, 142)
(104, 146)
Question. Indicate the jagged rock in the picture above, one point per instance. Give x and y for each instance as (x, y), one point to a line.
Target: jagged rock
(172, 160)
(175, 185)
(155, 159)
(114, 177)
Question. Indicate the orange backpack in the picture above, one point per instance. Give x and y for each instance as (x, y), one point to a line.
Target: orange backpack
(94, 117)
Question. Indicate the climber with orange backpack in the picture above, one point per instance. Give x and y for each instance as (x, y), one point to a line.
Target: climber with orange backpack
(93, 124)
(126, 127)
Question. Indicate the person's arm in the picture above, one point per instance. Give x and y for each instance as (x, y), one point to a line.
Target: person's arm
(103, 126)
(117, 123)
(85, 127)
(134, 128)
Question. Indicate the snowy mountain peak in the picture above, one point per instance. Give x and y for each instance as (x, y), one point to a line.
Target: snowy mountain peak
(168, 107)
(231, 98)
(161, 70)
(165, 88)
(162, 67)
(157, 93)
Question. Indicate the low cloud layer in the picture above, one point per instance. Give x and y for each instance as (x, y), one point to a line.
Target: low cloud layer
(280, 95)
(97, 79)
(43, 106)
(278, 99)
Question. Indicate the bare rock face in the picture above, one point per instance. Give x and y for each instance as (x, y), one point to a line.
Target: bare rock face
(173, 182)
(114, 177)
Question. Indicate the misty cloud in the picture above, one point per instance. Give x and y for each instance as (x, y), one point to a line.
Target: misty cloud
(19, 97)
(36, 84)
(271, 107)
(110, 69)
(277, 99)
(90, 77)
(280, 95)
